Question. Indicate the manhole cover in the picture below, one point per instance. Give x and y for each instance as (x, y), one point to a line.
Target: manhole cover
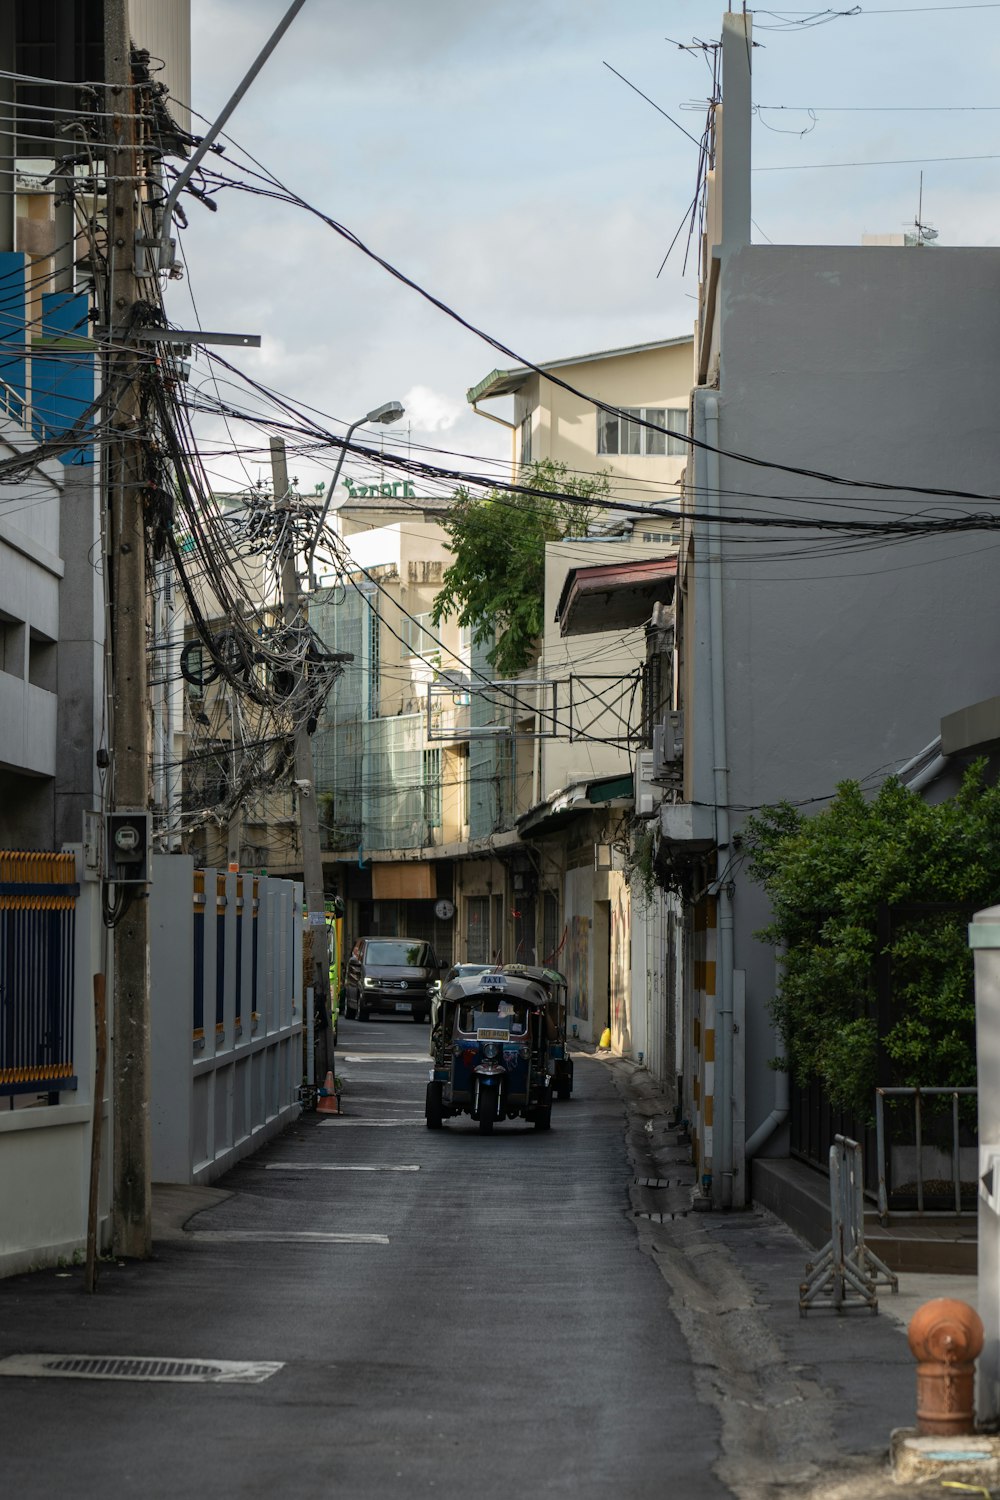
(130, 1367)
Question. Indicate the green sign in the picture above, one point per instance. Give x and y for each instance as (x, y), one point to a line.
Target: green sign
(382, 491)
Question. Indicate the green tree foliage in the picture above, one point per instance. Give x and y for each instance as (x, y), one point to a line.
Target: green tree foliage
(496, 584)
(826, 877)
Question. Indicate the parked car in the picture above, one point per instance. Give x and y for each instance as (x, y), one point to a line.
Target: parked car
(391, 976)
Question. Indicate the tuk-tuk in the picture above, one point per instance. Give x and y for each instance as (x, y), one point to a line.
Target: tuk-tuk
(556, 987)
(491, 1043)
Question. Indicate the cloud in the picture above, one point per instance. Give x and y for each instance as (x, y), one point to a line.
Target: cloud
(432, 411)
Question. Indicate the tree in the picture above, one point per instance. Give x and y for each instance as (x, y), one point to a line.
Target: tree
(826, 877)
(496, 584)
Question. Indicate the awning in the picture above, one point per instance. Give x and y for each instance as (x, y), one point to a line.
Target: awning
(614, 596)
(574, 801)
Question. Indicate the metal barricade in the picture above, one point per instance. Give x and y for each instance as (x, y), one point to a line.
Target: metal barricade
(845, 1265)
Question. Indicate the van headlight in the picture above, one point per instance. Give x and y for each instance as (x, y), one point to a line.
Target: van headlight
(369, 984)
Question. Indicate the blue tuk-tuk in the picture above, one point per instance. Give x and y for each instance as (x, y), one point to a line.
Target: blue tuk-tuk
(491, 1044)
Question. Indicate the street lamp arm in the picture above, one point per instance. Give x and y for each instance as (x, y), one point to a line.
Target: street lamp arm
(330, 493)
(385, 415)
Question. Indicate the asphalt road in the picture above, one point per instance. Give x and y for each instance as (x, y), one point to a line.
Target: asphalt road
(495, 1330)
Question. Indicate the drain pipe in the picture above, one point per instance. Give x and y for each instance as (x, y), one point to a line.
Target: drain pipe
(782, 1087)
(723, 1090)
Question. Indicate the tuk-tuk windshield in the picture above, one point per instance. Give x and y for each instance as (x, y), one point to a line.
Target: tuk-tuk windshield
(494, 1013)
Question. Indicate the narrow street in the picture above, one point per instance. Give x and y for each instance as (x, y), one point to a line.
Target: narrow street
(487, 1325)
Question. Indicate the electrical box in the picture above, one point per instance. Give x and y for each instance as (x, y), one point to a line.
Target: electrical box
(128, 846)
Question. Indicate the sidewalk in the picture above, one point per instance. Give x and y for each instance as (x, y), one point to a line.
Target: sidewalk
(807, 1404)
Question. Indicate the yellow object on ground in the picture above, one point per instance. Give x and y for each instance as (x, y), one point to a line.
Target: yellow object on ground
(605, 1037)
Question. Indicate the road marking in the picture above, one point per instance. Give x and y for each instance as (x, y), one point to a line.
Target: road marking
(372, 1124)
(322, 1166)
(133, 1367)
(369, 1099)
(284, 1236)
(410, 1057)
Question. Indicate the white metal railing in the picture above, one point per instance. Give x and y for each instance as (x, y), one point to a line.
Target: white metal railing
(918, 1095)
(15, 406)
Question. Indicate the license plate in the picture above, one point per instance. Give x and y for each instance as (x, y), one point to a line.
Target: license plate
(403, 1005)
(486, 1035)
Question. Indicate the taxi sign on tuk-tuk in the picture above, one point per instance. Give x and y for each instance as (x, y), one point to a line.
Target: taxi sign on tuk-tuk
(492, 981)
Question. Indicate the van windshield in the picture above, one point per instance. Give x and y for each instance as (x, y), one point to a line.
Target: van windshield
(399, 955)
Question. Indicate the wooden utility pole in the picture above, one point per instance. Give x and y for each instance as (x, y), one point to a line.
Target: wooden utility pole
(132, 1208)
(294, 614)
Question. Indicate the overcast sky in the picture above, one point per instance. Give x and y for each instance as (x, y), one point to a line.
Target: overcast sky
(488, 152)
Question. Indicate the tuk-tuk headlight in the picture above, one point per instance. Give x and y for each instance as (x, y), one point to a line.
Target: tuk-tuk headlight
(491, 1051)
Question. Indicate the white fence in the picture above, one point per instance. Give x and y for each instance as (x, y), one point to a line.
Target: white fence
(226, 965)
(226, 1045)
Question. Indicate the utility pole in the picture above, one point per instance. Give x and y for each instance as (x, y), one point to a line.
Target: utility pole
(294, 614)
(132, 1208)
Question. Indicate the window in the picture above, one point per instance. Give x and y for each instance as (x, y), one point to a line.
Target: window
(624, 434)
(432, 788)
(373, 686)
(526, 439)
(419, 638)
(477, 929)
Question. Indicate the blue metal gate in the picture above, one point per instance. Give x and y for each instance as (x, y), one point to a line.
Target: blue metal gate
(37, 972)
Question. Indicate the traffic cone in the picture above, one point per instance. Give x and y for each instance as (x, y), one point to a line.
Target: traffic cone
(328, 1103)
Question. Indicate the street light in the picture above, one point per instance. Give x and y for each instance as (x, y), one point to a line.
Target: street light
(389, 411)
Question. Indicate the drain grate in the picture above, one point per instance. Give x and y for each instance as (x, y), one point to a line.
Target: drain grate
(660, 1182)
(131, 1367)
(658, 1218)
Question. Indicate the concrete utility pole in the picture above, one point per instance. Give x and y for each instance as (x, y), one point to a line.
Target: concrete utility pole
(294, 613)
(132, 1208)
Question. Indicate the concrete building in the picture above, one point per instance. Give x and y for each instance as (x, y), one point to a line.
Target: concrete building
(505, 808)
(833, 386)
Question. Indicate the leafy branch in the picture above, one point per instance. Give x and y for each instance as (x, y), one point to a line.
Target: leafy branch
(496, 584)
(827, 878)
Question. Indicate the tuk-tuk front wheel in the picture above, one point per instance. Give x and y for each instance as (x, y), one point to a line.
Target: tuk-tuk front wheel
(487, 1108)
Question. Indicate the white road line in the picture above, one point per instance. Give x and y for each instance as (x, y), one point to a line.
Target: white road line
(371, 1124)
(410, 1057)
(285, 1236)
(370, 1099)
(322, 1166)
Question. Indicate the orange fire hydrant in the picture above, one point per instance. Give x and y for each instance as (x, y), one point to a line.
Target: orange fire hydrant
(945, 1336)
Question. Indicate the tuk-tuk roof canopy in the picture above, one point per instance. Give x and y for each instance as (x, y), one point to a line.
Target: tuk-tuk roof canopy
(537, 972)
(517, 987)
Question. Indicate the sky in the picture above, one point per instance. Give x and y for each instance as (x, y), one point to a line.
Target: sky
(489, 153)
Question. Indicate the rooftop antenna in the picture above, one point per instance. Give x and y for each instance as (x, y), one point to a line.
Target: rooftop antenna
(925, 234)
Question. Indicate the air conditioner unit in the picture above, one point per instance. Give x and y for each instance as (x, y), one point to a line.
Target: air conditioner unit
(668, 745)
(646, 794)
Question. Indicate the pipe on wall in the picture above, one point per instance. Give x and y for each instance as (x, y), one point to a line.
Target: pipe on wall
(723, 1174)
(782, 1088)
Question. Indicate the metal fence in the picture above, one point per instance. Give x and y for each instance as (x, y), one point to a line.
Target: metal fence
(37, 972)
(845, 1265)
(925, 1153)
